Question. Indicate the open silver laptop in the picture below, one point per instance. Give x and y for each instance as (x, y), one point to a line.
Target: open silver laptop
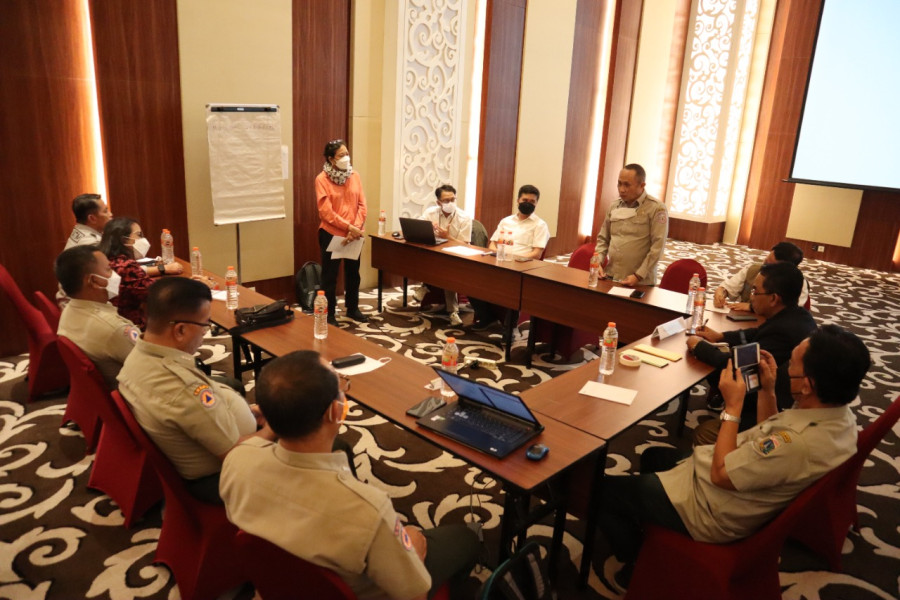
(419, 231)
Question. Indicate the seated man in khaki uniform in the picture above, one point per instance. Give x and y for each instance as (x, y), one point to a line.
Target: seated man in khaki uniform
(633, 235)
(727, 491)
(89, 320)
(194, 420)
(296, 490)
(91, 216)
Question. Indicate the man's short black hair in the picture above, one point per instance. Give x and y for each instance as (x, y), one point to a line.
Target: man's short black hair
(639, 173)
(529, 189)
(294, 391)
(173, 298)
(444, 188)
(72, 265)
(788, 252)
(85, 205)
(836, 361)
(784, 279)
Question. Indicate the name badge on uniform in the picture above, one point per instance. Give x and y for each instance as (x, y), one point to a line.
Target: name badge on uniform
(620, 214)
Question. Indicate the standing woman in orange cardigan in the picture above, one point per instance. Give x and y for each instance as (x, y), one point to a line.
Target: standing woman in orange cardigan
(342, 212)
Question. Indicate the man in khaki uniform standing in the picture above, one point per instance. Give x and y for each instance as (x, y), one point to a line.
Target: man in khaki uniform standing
(194, 420)
(633, 235)
(299, 490)
(89, 320)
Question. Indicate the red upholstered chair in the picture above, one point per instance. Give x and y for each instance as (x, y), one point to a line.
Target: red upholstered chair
(87, 392)
(743, 570)
(46, 370)
(824, 526)
(197, 542)
(120, 468)
(677, 276)
(49, 309)
(277, 574)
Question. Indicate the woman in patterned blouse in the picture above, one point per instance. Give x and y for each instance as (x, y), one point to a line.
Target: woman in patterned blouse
(124, 243)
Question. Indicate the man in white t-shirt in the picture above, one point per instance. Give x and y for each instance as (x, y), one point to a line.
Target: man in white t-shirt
(449, 223)
(529, 235)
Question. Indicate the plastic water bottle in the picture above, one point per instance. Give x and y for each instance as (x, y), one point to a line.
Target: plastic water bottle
(698, 310)
(382, 223)
(501, 246)
(320, 314)
(609, 342)
(594, 273)
(449, 361)
(231, 289)
(168, 246)
(693, 286)
(196, 262)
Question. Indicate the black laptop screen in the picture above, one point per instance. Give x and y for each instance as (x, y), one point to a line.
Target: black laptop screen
(488, 396)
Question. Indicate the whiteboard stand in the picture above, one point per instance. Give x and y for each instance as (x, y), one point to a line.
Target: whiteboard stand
(237, 233)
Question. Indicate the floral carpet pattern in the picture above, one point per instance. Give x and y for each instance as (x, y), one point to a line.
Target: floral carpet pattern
(59, 539)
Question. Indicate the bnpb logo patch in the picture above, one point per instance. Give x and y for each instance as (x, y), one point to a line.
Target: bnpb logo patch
(207, 398)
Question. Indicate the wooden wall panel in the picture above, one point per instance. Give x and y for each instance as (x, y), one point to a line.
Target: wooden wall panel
(139, 89)
(626, 33)
(321, 106)
(502, 76)
(582, 90)
(45, 149)
(767, 207)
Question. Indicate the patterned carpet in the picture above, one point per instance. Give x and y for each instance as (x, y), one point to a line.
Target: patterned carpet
(62, 540)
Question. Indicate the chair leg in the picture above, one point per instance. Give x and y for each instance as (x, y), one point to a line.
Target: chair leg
(684, 398)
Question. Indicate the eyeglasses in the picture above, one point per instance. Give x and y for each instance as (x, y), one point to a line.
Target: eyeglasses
(206, 325)
(753, 292)
(343, 382)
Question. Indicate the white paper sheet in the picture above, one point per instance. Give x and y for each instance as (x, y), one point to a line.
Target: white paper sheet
(364, 367)
(608, 392)
(464, 251)
(712, 308)
(350, 250)
(625, 292)
(220, 295)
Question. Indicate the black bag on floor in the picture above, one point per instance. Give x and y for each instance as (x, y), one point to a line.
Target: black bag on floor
(523, 576)
(306, 282)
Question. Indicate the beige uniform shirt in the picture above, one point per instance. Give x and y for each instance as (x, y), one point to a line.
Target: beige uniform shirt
(106, 337)
(190, 417)
(312, 506)
(633, 238)
(773, 463)
(458, 225)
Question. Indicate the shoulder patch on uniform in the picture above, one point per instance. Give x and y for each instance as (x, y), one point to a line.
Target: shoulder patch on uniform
(76, 235)
(773, 442)
(402, 535)
(207, 398)
(660, 217)
(132, 333)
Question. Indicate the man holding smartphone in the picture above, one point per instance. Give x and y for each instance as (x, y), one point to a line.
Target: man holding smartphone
(774, 297)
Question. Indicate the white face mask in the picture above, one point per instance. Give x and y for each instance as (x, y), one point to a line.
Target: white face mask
(112, 284)
(141, 247)
(343, 163)
(449, 208)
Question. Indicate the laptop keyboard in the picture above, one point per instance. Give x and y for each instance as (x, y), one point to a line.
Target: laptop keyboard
(487, 423)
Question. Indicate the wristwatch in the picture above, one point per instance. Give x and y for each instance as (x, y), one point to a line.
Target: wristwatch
(162, 268)
(724, 416)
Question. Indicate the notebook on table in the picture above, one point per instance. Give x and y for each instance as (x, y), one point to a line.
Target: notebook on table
(419, 231)
(483, 418)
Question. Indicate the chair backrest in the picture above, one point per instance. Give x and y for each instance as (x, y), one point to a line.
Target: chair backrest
(33, 319)
(581, 258)
(479, 234)
(677, 277)
(49, 309)
(276, 573)
(172, 483)
(874, 433)
(85, 380)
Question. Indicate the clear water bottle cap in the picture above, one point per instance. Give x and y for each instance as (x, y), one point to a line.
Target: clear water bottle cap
(320, 293)
(451, 340)
(610, 324)
(196, 249)
(230, 268)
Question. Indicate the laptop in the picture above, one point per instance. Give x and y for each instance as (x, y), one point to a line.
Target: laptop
(419, 231)
(486, 419)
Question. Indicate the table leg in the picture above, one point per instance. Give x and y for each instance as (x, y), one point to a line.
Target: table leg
(380, 284)
(507, 525)
(590, 527)
(236, 356)
(532, 340)
(510, 319)
(559, 526)
(405, 282)
(684, 398)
